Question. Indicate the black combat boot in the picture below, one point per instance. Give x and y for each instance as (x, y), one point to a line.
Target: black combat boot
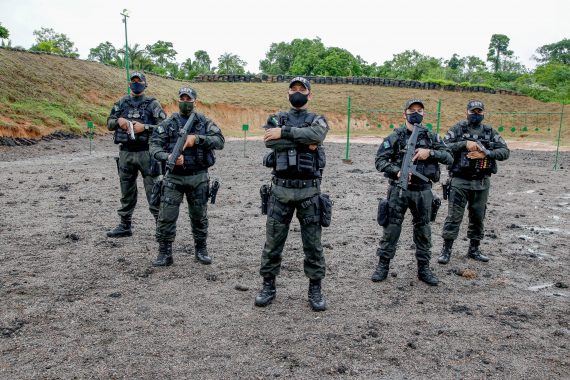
(267, 293)
(426, 275)
(122, 230)
(381, 271)
(445, 252)
(201, 253)
(475, 253)
(316, 298)
(164, 257)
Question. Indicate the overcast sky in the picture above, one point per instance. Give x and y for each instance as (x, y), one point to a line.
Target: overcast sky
(374, 30)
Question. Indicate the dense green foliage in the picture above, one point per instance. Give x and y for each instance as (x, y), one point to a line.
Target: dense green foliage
(548, 82)
(47, 40)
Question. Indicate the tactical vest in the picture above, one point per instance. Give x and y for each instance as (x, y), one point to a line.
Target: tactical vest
(196, 158)
(299, 162)
(466, 168)
(429, 167)
(134, 112)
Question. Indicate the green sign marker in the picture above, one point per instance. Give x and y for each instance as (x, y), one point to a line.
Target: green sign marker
(245, 127)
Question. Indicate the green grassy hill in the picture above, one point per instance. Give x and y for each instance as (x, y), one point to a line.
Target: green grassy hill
(40, 94)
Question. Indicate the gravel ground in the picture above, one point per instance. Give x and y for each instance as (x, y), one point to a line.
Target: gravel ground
(76, 304)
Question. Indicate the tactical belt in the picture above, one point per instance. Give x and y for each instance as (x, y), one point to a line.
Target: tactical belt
(138, 148)
(296, 183)
(415, 186)
(470, 177)
(182, 171)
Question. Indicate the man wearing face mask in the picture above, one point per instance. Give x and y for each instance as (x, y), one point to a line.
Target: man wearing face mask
(476, 149)
(297, 158)
(189, 177)
(430, 151)
(143, 113)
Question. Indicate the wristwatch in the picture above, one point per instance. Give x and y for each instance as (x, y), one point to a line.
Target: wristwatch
(146, 127)
(431, 153)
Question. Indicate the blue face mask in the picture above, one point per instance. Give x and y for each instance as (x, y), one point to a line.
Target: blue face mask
(414, 118)
(137, 88)
(475, 119)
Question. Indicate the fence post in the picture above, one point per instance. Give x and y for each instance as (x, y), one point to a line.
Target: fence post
(556, 166)
(346, 160)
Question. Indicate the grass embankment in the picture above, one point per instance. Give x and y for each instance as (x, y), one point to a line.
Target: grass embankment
(40, 94)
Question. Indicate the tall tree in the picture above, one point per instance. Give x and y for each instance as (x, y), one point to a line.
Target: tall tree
(229, 63)
(162, 52)
(49, 41)
(4, 33)
(555, 52)
(498, 50)
(105, 52)
(202, 62)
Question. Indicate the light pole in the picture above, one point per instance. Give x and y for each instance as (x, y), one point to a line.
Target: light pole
(125, 15)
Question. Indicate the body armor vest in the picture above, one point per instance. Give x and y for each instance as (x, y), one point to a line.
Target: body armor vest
(134, 112)
(196, 158)
(466, 168)
(429, 167)
(299, 162)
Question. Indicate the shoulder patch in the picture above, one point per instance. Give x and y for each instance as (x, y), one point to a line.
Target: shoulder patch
(323, 122)
(160, 129)
(386, 144)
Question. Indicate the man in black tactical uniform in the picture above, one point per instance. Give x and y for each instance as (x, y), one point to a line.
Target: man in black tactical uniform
(476, 149)
(189, 177)
(429, 152)
(297, 159)
(140, 114)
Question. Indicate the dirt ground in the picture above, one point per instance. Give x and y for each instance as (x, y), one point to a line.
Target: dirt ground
(76, 304)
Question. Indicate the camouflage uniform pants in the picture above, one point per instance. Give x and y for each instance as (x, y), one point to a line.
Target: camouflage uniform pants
(195, 187)
(419, 203)
(476, 202)
(282, 204)
(130, 164)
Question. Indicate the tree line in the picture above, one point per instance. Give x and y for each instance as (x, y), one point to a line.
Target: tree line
(549, 81)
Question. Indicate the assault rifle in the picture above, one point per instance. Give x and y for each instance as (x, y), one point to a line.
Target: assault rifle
(171, 162)
(408, 166)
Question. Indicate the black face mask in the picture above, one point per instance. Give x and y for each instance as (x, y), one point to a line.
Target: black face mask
(414, 118)
(137, 88)
(475, 119)
(298, 100)
(185, 108)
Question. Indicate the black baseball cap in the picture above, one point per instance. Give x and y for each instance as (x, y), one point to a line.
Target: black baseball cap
(474, 104)
(188, 91)
(138, 74)
(409, 102)
(301, 80)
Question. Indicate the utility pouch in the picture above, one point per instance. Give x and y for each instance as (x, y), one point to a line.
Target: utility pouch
(213, 190)
(269, 159)
(383, 212)
(292, 157)
(325, 207)
(120, 136)
(281, 161)
(264, 192)
(155, 167)
(156, 192)
(435, 205)
(446, 188)
(305, 162)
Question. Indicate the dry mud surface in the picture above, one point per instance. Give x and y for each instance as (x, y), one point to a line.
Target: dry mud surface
(76, 304)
